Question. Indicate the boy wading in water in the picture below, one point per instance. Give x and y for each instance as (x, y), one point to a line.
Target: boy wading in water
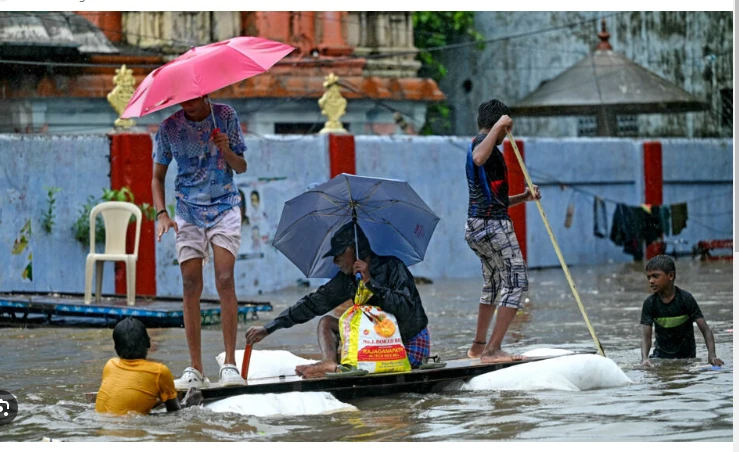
(672, 311)
(133, 384)
(489, 232)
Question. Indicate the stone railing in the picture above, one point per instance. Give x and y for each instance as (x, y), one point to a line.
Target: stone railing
(365, 34)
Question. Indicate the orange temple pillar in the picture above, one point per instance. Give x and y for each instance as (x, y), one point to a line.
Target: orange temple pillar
(274, 25)
(303, 31)
(109, 22)
(333, 42)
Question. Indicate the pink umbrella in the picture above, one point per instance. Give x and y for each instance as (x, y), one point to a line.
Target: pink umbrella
(202, 70)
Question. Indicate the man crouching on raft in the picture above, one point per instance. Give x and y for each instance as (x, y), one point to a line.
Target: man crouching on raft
(393, 288)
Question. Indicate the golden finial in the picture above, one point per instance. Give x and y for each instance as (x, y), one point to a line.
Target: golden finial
(333, 105)
(121, 94)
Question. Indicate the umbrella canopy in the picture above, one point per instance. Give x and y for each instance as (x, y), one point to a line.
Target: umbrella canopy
(202, 70)
(607, 79)
(394, 218)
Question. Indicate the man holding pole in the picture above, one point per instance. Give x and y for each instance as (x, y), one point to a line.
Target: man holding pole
(489, 232)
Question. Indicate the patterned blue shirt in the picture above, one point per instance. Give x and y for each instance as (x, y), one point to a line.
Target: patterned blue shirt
(204, 186)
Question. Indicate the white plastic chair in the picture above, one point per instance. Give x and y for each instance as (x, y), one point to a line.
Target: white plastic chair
(116, 216)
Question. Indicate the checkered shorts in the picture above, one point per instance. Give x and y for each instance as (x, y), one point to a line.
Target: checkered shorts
(418, 347)
(504, 271)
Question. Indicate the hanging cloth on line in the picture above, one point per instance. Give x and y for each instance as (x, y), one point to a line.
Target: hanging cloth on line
(665, 219)
(633, 226)
(600, 219)
(626, 229)
(679, 213)
(652, 223)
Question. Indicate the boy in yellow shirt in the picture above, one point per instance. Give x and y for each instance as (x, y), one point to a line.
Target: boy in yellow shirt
(131, 383)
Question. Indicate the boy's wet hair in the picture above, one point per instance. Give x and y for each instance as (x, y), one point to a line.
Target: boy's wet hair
(662, 262)
(131, 339)
(490, 112)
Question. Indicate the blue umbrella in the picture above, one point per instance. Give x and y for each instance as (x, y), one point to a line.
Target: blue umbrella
(394, 218)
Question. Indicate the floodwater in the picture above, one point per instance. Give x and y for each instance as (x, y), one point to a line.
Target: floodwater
(49, 369)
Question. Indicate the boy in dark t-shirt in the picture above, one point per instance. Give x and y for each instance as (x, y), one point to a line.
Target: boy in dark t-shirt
(672, 311)
(489, 232)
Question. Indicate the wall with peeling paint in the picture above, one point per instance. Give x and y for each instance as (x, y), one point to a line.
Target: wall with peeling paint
(694, 171)
(698, 171)
(609, 168)
(80, 167)
(434, 167)
(281, 167)
(693, 50)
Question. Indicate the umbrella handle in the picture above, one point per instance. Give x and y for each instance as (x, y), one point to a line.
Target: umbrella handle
(213, 116)
(356, 249)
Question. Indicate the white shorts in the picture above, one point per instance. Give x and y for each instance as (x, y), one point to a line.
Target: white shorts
(192, 241)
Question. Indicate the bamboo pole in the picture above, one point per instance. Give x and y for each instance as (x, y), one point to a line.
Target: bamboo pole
(556, 246)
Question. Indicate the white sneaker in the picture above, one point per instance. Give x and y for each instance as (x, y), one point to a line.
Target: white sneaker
(230, 376)
(191, 378)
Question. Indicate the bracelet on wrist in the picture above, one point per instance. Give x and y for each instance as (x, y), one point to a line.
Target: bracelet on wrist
(161, 212)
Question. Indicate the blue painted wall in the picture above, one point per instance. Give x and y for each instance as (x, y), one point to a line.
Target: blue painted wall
(435, 168)
(568, 171)
(573, 171)
(80, 166)
(700, 172)
(281, 167)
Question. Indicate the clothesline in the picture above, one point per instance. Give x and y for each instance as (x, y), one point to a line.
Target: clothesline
(709, 227)
(703, 215)
(612, 201)
(551, 179)
(643, 223)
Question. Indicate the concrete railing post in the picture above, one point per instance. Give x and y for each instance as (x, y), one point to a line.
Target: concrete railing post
(516, 185)
(653, 182)
(131, 165)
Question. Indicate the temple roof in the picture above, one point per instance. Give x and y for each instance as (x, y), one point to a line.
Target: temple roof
(42, 34)
(607, 79)
(57, 37)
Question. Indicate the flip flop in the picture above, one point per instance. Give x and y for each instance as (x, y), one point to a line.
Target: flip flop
(432, 362)
(343, 370)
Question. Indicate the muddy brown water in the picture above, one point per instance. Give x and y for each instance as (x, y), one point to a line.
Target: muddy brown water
(49, 369)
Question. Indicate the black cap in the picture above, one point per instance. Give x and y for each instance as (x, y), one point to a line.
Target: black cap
(344, 238)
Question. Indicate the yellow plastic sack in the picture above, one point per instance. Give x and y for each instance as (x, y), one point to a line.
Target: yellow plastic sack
(370, 338)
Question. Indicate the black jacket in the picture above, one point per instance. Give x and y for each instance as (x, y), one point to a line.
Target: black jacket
(393, 288)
